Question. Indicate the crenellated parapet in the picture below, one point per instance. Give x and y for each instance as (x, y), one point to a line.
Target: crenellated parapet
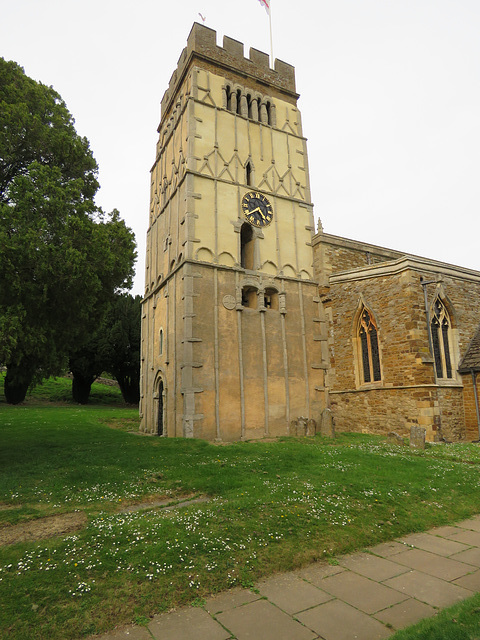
(202, 46)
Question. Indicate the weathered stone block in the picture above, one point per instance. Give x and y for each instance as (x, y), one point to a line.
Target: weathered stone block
(311, 428)
(417, 437)
(394, 438)
(327, 424)
(303, 427)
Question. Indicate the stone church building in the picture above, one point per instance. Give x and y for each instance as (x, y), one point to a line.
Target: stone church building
(254, 321)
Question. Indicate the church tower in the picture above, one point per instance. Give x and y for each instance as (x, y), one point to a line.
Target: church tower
(233, 333)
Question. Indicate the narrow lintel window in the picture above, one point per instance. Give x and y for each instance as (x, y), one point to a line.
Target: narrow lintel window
(160, 342)
(248, 173)
(370, 357)
(441, 331)
(247, 246)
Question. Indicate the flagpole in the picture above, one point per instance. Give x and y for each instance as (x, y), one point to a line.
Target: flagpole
(271, 38)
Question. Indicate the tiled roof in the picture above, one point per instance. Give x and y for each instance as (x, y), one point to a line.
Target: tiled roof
(471, 359)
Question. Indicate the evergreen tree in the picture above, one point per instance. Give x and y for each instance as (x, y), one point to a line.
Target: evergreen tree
(61, 257)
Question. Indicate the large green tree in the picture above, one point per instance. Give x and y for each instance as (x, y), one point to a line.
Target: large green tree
(122, 344)
(113, 347)
(61, 257)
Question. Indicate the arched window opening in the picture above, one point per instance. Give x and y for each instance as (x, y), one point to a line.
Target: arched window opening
(247, 246)
(228, 94)
(271, 299)
(172, 265)
(269, 113)
(249, 105)
(248, 174)
(239, 101)
(370, 357)
(249, 297)
(441, 331)
(160, 342)
(180, 258)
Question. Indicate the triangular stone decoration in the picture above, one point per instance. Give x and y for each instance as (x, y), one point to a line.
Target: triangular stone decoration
(207, 98)
(286, 126)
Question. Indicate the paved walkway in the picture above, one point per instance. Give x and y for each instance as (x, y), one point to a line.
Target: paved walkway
(366, 596)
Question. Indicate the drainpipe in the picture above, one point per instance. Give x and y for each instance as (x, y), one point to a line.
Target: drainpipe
(474, 380)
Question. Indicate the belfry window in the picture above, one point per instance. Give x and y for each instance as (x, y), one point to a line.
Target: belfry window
(271, 299)
(249, 297)
(269, 113)
(369, 352)
(441, 331)
(239, 102)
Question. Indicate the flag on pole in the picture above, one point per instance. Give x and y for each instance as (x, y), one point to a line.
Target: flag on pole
(266, 4)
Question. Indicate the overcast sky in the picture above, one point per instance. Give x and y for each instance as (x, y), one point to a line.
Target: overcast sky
(390, 98)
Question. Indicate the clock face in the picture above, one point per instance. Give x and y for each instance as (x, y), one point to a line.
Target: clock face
(257, 209)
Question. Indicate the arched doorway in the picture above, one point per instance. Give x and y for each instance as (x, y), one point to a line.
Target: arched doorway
(160, 413)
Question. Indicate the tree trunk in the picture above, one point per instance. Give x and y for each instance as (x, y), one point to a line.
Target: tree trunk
(81, 387)
(130, 388)
(15, 389)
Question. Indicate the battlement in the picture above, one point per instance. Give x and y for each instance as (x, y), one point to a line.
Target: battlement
(202, 43)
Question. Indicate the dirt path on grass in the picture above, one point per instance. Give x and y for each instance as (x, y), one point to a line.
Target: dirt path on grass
(43, 528)
(60, 525)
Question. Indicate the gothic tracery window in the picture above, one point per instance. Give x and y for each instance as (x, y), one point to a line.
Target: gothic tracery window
(369, 352)
(440, 326)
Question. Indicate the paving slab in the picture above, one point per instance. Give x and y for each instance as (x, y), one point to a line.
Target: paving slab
(428, 589)
(336, 620)
(362, 593)
(466, 536)
(433, 564)
(229, 600)
(291, 593)
(427, 542)
(405, 613)
(316, 572)
(470, 556)
(262, 620)
(387, 549)
(372, 567)
(472, 523)
(127, 633)
(190, 623)
(472, 581)
(445, 532)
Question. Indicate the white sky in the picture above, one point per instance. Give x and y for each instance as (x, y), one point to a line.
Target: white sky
(390, 98)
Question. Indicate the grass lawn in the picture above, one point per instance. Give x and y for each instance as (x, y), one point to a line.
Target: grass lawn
(460, 622)
(273, 506)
